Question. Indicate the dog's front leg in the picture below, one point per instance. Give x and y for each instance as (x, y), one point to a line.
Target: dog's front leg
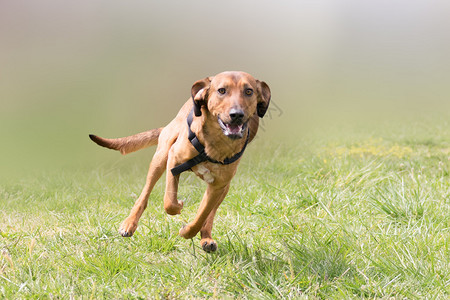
(211, 200)
(207, 242)
(172, 205)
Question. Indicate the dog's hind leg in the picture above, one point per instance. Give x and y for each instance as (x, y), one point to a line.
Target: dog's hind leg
(156, 169)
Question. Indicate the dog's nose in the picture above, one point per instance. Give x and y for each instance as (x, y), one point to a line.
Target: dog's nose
(236, 115)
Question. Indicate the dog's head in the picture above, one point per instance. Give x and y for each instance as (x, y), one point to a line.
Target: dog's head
(233, 98)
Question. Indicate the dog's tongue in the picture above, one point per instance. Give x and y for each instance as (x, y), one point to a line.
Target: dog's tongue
(234, 129)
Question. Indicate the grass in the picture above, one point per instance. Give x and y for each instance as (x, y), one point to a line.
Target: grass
(362, 215)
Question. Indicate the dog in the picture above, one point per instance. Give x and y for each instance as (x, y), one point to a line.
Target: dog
(208, 136)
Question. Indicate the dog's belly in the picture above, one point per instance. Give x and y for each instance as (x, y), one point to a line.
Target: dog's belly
(203, 172)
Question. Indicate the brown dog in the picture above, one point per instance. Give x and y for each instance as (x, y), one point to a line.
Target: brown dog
(227, 108)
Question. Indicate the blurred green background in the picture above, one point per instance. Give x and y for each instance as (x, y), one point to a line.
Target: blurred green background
(114, 68)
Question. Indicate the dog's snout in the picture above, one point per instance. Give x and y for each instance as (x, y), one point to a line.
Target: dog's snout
(236, 115)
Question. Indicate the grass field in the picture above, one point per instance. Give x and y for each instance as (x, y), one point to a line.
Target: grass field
(347, 213)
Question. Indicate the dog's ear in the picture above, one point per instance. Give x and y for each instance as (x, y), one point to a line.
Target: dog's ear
(199, 94)
(263, 98)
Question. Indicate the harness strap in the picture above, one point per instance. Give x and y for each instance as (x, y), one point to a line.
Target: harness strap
(202, 156)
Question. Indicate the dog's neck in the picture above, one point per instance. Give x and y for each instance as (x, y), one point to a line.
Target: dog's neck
(217, 145)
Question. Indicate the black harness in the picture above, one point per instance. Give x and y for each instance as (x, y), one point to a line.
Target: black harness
(202, 156)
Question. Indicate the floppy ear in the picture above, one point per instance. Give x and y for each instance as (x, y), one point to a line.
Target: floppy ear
(263, 98)
(199, 94)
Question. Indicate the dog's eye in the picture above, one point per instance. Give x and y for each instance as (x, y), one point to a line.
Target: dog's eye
(248, 92)
(222, 91)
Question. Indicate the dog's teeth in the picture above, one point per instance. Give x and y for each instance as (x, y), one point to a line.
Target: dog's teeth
(234, 129)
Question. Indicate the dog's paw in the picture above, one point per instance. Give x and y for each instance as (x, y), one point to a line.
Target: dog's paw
(174, 209)
(187, 232)
(127, 228)
(209, 245)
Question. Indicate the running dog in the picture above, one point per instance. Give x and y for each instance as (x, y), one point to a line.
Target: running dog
(208, 136)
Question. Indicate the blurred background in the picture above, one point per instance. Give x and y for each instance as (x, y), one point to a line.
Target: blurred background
(114, 68)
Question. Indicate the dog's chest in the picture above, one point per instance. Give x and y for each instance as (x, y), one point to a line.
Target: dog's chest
(205, 173)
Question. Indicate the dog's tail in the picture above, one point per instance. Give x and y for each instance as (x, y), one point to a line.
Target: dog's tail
(130, 143)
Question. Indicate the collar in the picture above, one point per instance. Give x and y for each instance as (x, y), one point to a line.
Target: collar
(202, 156)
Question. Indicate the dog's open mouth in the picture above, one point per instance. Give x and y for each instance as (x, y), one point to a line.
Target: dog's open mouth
(233, 131)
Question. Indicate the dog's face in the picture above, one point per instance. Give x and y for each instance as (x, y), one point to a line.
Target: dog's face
(233, 98)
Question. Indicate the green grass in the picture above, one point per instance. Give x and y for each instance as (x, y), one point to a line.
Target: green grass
(363, 214)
